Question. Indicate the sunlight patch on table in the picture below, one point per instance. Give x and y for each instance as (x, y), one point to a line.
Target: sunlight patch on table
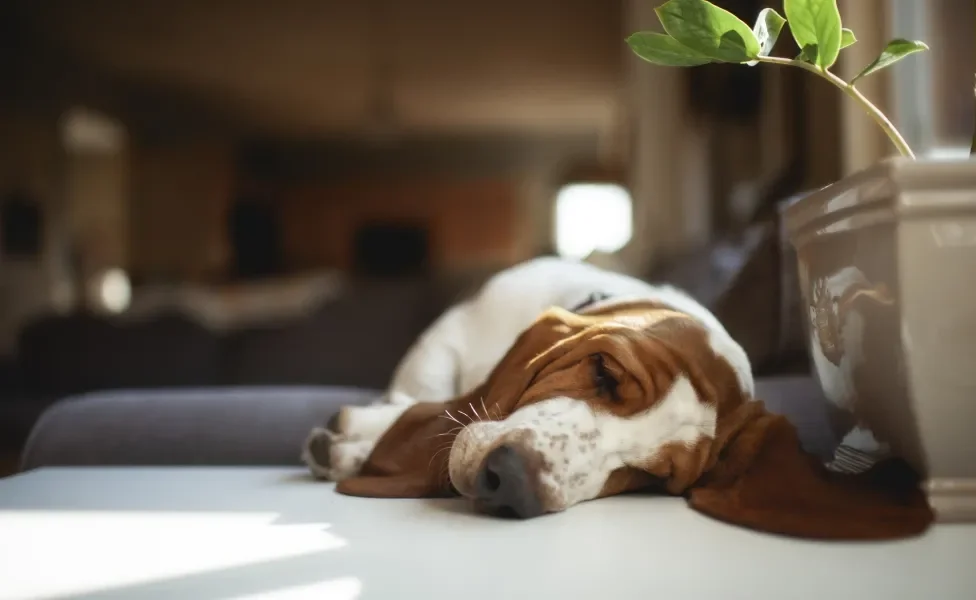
(102, 550)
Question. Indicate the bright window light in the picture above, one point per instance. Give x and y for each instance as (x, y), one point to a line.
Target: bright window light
(592, 217)
(941, 153)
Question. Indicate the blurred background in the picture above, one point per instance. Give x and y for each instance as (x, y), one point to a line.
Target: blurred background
(210, 193)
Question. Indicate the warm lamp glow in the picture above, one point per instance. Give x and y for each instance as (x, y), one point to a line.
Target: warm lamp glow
(114, 290)
(592, 217)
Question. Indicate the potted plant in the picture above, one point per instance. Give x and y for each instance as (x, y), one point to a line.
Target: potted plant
(883, 256)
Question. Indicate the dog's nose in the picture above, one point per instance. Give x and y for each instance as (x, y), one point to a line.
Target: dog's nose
(503, 484)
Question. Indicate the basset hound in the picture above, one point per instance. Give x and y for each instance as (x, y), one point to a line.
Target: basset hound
(560, 383)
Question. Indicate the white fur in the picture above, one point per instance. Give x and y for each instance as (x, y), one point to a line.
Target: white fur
(582, 446)
(460, 349)
(346, 455)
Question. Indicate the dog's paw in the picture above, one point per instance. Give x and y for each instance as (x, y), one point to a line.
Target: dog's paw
(333, 457)
(338, 450)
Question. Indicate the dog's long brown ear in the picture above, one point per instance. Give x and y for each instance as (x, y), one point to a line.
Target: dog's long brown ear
(410, 460)
(765, 481)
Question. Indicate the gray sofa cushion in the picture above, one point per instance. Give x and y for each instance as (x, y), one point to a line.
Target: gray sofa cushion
(221, 426)
(354, 340)
(267, 426)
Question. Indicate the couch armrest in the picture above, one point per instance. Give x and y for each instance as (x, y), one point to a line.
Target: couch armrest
(219, 426)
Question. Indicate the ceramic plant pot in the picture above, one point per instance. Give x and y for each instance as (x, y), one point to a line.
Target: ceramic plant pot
(887, 271)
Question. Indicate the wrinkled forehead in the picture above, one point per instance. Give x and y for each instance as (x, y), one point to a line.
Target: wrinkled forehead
(645, 321)
(650, 337)
(706, 352)
(646, 351)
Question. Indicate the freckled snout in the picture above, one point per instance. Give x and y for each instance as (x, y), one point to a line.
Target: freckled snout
(505, 484)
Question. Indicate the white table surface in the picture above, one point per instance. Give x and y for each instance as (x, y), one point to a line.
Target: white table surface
(253, 533)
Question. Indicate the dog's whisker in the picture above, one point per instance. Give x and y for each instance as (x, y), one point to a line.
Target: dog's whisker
(436, 454)
(453, 418)
(471, 405)
(484, 408)
(451, 432)
(466, 415)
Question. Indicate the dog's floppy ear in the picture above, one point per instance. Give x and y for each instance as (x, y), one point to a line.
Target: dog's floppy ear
(409, 460)
(765, 481)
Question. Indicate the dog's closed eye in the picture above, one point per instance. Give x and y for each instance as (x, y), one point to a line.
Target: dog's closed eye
(604, 379)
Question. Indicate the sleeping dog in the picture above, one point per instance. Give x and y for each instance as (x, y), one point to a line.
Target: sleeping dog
(559, 382)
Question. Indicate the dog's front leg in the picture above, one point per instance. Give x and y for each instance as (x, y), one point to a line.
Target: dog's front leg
(338, 451)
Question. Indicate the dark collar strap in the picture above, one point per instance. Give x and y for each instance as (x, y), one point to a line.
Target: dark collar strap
(590, 301)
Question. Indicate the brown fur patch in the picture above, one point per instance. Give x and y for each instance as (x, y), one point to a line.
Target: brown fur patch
(766, 482)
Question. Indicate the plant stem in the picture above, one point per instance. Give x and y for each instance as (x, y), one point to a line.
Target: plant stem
(849, 89)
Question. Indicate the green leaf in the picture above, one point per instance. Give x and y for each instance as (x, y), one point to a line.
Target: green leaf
(708, 30)
(816, 22)
(893, 52)
(662, 49)
(846, 38)
(808, 54)
(768, 26)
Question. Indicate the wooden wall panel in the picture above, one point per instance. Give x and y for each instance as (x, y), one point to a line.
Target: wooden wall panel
(471, 222)
(180, 196)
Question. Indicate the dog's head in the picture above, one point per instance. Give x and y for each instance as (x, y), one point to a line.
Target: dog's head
(633, 397)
